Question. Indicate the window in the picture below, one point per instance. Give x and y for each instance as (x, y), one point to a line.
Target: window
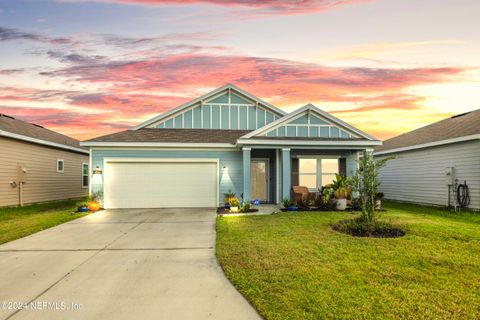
(315, 173)
(85, 175)
(60, 166)
(329, 169)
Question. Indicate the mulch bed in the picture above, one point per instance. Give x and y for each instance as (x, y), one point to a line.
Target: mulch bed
(222, 210)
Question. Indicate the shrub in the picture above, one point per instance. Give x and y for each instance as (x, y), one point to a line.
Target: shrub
(287, 202)
(246, 206)
(359, 227)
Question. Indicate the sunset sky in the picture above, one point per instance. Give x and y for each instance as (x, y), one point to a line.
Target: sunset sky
(87, 68)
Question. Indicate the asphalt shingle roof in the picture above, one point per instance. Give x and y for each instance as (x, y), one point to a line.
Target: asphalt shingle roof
(174, 136)
(455, 127)
(16, 126)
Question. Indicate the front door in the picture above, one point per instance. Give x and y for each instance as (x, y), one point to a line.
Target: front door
(259, 175)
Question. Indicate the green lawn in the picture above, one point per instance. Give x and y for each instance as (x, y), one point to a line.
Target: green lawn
(294, 266)
(18, 222)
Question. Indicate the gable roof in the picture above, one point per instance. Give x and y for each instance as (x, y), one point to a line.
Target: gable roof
(206, 96)
(176, 136)
(21, 130)
(305, 109)
(462, 127)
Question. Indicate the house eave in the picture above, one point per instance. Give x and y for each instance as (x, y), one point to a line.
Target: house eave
(41, 142)
(319, 143)
(428, 145)
(158, 145)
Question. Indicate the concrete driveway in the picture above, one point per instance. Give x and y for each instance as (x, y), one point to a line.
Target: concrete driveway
(120, 264)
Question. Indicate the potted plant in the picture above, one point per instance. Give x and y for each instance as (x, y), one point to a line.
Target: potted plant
(289, 204)
(83, 207)
(233, 204)
(94, 201)
(378, 200)
(226, 198)
(341, 198)
(246, 206)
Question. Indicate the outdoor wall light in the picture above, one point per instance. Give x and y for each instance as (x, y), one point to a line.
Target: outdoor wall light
(97, 170)
(225, 167)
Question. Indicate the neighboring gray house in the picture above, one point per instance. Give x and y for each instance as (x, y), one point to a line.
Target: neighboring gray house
(225, 140)
(38, 165)
(430, 159)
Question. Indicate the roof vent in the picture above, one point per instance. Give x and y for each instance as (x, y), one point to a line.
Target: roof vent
(37, 125)
(460, 115)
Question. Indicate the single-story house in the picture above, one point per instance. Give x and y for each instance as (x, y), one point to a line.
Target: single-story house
(431, 162)
(225, 140)
(38, 165)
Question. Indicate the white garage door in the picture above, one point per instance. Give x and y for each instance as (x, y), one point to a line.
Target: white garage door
(160, 184)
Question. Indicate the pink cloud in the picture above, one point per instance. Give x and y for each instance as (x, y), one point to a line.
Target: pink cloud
(282, 7)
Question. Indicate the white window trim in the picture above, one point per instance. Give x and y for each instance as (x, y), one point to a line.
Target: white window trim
(63, 165)
(319, 174)
(87, 175)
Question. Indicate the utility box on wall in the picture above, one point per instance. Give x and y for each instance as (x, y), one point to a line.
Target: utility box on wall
(450, 176)
(22, 174)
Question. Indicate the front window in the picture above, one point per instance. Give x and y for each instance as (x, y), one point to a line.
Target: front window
(85, 175)
(315, 173)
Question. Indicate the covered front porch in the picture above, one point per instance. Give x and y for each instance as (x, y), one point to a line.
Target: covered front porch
(269, 172)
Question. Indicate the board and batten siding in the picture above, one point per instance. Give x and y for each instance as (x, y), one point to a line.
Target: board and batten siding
(43, 183)
(419, 175)
(230, 164)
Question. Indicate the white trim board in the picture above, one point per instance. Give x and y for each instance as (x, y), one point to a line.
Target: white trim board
(429, 144)
(39, 141)
(200, 99)
(284, 142)
(158, 144)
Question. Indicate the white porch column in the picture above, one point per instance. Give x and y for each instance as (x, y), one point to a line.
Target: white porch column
(246, 173)
(286, 173)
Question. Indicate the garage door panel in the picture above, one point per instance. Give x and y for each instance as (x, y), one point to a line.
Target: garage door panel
(160, 184)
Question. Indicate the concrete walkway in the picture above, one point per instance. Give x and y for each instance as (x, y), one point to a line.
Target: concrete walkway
(120, 264)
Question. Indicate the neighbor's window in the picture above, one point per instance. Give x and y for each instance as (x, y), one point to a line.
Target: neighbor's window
(85, 175)
(314, 173)
(60, 166)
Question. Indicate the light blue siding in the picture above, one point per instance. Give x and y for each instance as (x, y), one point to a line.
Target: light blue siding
(291, 132)
(215, 117)
(334, 132)
(260, 117)
(237, 100)
(344, 134)
(169, 123)
(324, 132)
(178, 121)
(231, 177)
(281, 131)
(206, 116)
(161, 125)
(301, 120)
(243, 118)
(187, 119)
(252, 118)
(316, 120)
(234, 117)
(269, 118)
(272, 133)
(302, 131)
(221, 99)
(197, 117)
(225, 116)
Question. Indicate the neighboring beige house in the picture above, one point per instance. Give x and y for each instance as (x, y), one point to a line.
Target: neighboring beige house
(37, 164)
(433, 162)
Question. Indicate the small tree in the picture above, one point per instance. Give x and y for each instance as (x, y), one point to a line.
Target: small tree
(365, 184)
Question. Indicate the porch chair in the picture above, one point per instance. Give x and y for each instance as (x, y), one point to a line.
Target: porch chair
(302, 193)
